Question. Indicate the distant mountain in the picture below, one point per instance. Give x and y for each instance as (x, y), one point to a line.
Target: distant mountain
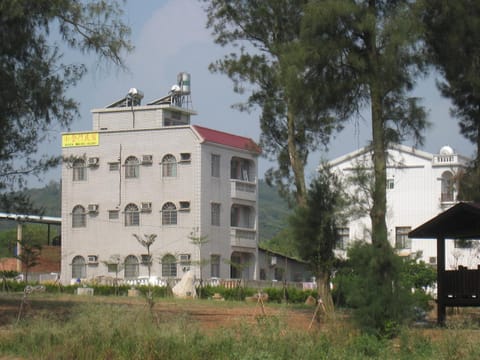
(47, 198)
(273, 210)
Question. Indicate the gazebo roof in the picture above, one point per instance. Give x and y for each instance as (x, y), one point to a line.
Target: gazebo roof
(461, 221)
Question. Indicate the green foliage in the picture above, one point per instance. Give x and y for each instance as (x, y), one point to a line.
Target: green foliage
(452, 27)
(128, 332)
(8, 274)
(272, 213)
(315, 229)
(373, 51)
(297, 102)
(35, 78)
(314, 226)
(469, 183)
(373, 286)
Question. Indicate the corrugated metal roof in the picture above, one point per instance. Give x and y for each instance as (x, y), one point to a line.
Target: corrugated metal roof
(223, 138)
(461, 221)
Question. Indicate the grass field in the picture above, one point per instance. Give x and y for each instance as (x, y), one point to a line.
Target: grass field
(57, 326)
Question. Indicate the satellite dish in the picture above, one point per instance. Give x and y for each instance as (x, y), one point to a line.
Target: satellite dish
(175, 89)
(446, 150)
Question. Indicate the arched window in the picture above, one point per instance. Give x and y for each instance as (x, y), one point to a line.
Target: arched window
(169, 266)
(132, 215)
(169, 214)
(447, 186)
(79, 173)
(79, 268)
(131, 267)
(169, 166)
(79, 217)
(132, 167)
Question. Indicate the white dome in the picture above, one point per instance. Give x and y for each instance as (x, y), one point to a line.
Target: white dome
(446, 150)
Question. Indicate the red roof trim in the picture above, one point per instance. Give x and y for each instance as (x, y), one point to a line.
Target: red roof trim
(223, 138)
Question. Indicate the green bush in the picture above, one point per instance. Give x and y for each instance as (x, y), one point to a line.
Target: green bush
(372, 285)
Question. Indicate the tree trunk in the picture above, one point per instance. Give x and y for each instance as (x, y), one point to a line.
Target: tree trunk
(324, 293)
(379, 197)
(379, 208)
(296, 162)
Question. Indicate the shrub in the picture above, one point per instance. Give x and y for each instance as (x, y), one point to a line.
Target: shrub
(372, 285)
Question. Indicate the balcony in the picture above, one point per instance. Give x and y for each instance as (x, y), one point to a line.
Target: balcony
(440, 160)
(243, 237)
(244, 190)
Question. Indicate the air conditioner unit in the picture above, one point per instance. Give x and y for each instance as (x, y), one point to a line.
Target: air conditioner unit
(184, 205)
(146, 207)
(185, 157)
(147, 159)
(93, 208)
(273, 261)
(185, 259)
(93, 161)
(92, 259)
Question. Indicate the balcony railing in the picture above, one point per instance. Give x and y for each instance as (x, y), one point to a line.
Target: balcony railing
(243, 237)
(245, 190)
(445, 159)
(447, 197)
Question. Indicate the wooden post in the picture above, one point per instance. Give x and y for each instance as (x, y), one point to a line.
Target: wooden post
(441, 313)
(19, 246)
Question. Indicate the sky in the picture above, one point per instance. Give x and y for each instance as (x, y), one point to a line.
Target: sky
(170, 37)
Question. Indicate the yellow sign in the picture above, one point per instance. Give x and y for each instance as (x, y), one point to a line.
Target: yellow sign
(80, 139)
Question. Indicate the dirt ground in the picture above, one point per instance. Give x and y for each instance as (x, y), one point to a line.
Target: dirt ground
(211, 314)
(207, 314)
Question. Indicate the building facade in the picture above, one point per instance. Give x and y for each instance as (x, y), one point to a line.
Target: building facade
(145, 171)
(420, 185)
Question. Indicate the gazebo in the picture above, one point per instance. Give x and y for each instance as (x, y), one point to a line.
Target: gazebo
(460, 287)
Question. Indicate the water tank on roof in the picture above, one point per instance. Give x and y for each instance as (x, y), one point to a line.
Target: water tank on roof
(183, 80)
(446, 150)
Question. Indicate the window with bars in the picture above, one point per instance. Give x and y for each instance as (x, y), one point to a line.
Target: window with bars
(79, 268)
(79, 170)
(169, 214)
(132, 167)
(215, 214)
(215, 165)
(79, 217)
(131, 267)
(215, 265)
(169, 266)
(169, 166)
(113, 166)
(113, 214)
(402, 241)
(132, 215)
(390, 184)
(343, 235)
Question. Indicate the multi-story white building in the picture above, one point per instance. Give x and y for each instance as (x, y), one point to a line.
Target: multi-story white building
(420, 185)
(145, 170)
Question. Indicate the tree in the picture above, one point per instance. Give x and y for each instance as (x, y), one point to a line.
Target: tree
(199, 241)
(29, 255)
(117, 264)
(376, 47)
(314, 227)
(298, 103)
(147, 242)
(34, 77)
(374, 285)
(453, 39)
